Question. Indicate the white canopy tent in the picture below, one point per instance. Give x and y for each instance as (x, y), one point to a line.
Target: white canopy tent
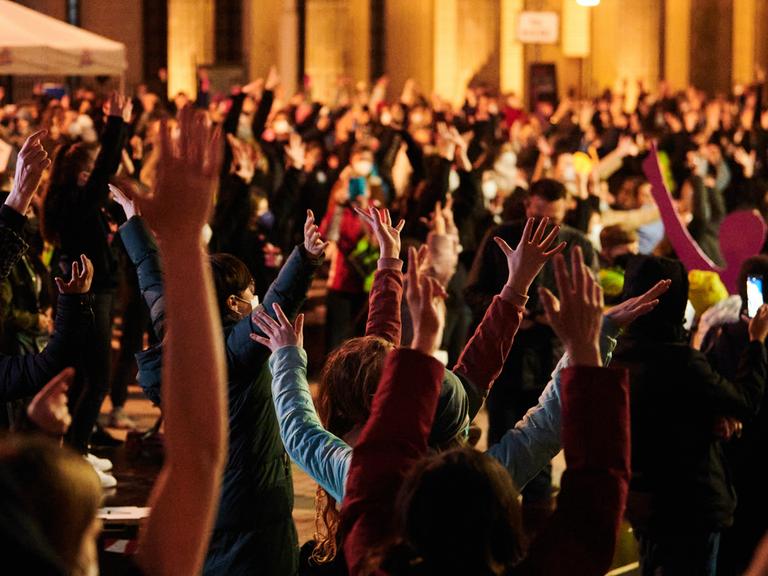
(32, 43)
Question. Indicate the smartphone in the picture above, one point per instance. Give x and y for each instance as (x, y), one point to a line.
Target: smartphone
(754, 294)
(356, 187)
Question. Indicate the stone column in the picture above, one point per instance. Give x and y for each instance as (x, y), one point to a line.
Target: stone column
(190, 43)
(744, 36)
(445, 62)
(677, 44)
(512, 73)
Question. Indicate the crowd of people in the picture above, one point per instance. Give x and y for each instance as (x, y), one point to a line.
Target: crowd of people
(479, 256)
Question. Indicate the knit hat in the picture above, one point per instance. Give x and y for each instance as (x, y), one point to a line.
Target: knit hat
(452, 415)
(705, 290)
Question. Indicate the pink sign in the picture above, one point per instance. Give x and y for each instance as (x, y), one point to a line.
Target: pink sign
(742, 233)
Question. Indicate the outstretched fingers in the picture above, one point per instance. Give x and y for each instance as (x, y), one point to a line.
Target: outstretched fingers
(501, 243)
(564, 285)
(281, 317)
(539, 234)
(549, 238)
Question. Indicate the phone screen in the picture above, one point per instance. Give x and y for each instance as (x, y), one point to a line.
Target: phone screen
(754, 294)
(356, 187)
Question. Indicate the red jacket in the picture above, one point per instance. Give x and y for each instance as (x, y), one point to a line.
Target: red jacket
(342, 225)
(581, 535)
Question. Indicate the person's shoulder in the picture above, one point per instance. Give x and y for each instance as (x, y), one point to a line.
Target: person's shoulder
(570, 234)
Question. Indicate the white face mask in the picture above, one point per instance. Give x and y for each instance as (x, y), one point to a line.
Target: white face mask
(507, 161)
(454, 181)
(569, 174)
(490, 189)
(254, 302)
(281, 127)
(362, 167)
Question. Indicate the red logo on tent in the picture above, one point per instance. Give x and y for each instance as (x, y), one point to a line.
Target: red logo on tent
(6, 58)
(86, 59)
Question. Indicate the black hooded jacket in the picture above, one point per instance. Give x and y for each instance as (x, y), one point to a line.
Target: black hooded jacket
(679, 473)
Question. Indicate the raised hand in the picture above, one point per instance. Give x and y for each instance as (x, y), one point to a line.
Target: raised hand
(48, 409)
(187, 176)
(441, 220)
(124, 195)
(436, 220)
(313, 242)
(388, 236)
(425, 298)
(577, 316)
(31, 163)
(758, 326)
(280, 333)
(80, 281)
(630, 310)
(295, 151)
(119, 106)
(446, 147)
(532, 252)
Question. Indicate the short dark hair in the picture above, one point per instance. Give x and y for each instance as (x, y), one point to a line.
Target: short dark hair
(548, 189)
(230, 276)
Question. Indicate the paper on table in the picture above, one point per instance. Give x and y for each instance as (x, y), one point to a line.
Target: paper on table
(123, 513)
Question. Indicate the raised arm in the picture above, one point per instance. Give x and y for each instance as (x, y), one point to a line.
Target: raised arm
(396, 433)
(30, 165)
(118, 110)
(322, 455)
(289, 290)
(185, 497)
(384, 315)
(23, 376)
(142, 250)
(580, 537)
(265, 104)
(535, 440)
(484, 355)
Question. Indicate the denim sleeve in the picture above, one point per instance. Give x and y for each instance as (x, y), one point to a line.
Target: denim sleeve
(535, 440)
(319, 453)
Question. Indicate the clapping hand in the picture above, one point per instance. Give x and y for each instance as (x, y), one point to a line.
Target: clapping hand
(313, 242)
(425, 296)
(532, 252)
(577, 316)
(48, 409)
(278, 333)
(31, 163)
(187, 175)
(380, 221)
(80, 281)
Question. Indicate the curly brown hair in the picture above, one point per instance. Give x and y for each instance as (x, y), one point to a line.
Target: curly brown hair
(348, 383)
